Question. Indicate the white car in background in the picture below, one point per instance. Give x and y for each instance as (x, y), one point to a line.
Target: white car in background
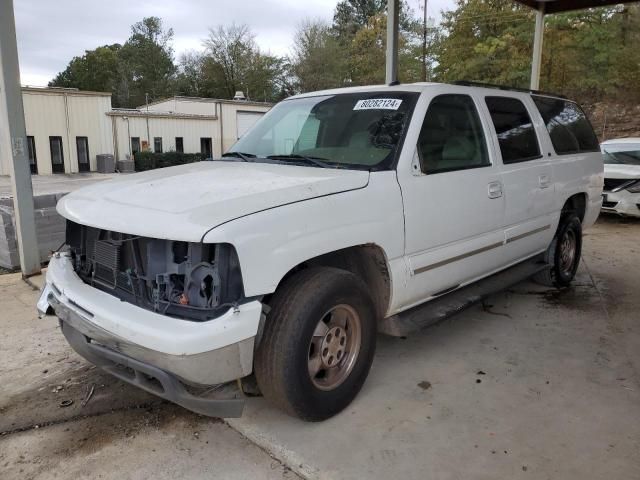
(621, 193)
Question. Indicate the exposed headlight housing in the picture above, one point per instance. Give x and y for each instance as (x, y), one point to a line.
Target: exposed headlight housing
(189, 280)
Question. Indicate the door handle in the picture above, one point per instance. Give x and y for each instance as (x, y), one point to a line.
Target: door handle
(544, 181)
(495, 190)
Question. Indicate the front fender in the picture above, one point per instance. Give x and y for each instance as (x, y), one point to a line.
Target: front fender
(272, 242)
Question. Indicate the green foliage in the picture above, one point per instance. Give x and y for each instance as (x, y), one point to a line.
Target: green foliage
(588, 55)
(144, 64)
(147, 60)
(97, 70)
(234, 62)
(318, 61)
(151, 160)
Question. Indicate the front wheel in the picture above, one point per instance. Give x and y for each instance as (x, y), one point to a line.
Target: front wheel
(563, 254)
(318, 343)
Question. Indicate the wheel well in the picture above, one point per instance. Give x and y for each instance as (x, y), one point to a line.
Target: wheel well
(576, 203)
(368, 262)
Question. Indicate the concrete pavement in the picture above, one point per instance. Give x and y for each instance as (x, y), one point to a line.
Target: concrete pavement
(535, 383)
(46, 184)
(120, 433)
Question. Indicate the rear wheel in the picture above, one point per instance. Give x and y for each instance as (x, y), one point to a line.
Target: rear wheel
(563, 254)
(318, 343)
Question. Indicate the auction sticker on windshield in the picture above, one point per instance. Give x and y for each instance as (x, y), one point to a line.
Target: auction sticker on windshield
(378, 104)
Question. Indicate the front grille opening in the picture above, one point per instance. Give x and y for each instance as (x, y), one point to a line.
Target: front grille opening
(187, 280)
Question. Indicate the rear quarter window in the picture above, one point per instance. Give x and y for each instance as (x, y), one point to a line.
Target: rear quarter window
(516, 135)
(568, 126)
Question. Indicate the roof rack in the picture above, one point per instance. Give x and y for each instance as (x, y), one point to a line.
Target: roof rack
(467, 83)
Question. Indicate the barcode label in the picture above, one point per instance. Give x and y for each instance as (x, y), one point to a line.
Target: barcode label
(378, 104)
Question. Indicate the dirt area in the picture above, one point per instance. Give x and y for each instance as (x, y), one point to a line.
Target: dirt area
(534, 383)
(614, 120)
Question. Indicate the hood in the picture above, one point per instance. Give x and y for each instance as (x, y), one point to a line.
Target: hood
(621, 171)
(184, 202)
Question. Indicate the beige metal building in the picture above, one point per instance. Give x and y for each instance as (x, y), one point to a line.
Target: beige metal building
(184, 124)
(67, 128)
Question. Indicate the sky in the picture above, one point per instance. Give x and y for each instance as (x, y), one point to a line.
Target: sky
(50, 33)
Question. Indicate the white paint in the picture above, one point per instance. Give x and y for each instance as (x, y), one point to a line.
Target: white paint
(184, 202)
(627, 202)
(148, 329)
(278, 216)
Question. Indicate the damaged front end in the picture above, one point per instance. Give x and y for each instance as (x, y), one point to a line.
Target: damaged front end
(169, 317)
(187, 280)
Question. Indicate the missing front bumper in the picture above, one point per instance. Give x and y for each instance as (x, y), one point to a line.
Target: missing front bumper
(154, 380)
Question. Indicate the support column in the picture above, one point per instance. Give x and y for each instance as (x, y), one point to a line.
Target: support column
(12, 113)
(393, 9)
(538, 37)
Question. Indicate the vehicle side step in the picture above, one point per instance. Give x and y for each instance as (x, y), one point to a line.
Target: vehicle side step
(449, 304)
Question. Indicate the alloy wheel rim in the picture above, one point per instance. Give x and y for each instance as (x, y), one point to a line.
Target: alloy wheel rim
(567, 252)
(334, 347)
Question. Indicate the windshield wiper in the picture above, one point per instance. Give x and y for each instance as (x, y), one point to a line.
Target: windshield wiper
(317, 161)
(245, 157)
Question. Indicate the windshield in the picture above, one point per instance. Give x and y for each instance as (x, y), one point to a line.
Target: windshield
(355, 130)
(624, 156)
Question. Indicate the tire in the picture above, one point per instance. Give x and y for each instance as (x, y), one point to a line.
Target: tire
(563, 254)
(295, 343)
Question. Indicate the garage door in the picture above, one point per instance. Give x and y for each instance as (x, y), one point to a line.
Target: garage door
(245, 120)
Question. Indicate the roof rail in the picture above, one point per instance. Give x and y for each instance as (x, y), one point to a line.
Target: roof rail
(468, 83)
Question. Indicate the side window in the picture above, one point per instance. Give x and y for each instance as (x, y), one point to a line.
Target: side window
(452, 137)
(568, 127)
(516, 135)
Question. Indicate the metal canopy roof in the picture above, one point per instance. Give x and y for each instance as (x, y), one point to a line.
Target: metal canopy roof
(558, 6)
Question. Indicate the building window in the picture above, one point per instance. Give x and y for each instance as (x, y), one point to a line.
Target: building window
(33, 161)
(179, 145)
(205, 147)
(57, 155)
(516, 135)
(135, 145)
(157, 144)
(82, 144)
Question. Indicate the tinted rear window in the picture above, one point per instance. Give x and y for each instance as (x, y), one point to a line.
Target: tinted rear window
(568, 127)
(516, 135)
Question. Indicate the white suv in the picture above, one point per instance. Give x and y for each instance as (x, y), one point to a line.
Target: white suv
(340, 214)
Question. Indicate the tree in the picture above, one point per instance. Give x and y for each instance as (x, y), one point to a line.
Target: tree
(487, 41)
(318, 61)
(147, 61)
(97, 70)
(144, 64)
(587, 55)
(233, 62)
(189, 79)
